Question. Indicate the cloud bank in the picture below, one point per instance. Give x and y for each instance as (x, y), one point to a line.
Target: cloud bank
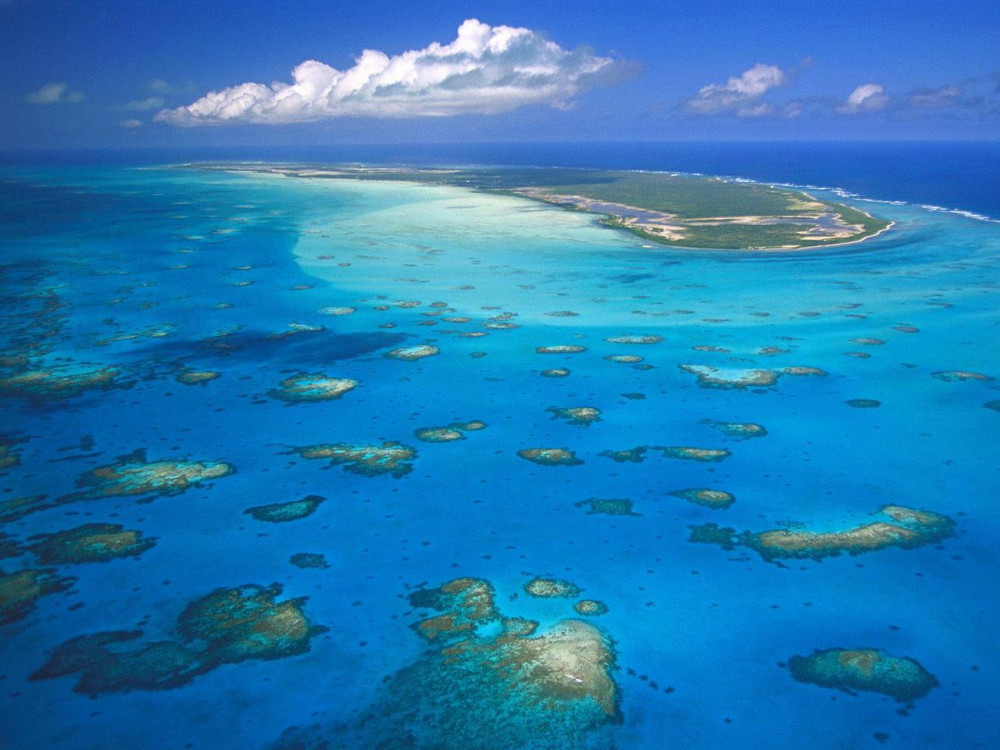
(741, 95)
(54, 93)
(485, 70)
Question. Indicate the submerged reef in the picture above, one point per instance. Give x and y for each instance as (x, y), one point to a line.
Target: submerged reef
(741, 430)
(561, 349)
(465, 604)
(609, 507)
(92, 542)
(18, 507)
(687, 453)
(863, 403)
(197, 377)
(693, 454)
(714, 377)
(634, 339)
(283, 512)
(803, 371)
(134, 476)
(369, 460)
(558, 372)
(905, 528)
(454, 431)
(714, 499)
(624, 359)
(581, 416)
(590, 608)
(309, 560)
(226, 626)
(550, 456)
(868, 669)
(21, 590)
(53, 385)
(551, 588)
(631, 455)
(957, 376)
(481, 669)
(413, 353)
(9, 458)
(312, 387)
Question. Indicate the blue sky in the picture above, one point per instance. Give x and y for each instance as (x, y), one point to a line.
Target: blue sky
(137, 72)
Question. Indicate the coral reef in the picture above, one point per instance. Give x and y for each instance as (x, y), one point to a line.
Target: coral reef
(581, 416)
(804, 371)
(465, 604)
(283, 512)
(454, 431)
(312, 387)
(631, 455)
(226, 626)
(134, 476)
(550, 456)
(369, 460)
(197, 377)
(867, 669)
(956, 376)
(652, 339)
(714, 499)
(550, 690)
(693, 454)
(558, 372)
(53, 385)
(92, 542)
(906, 528)
(624, 359)
(21, 590)
(714, 377)
(561, 349)
(14, 508)
(863, 403)
(9, 458)
(550, 588)
(608, 507)
(590, 607)
(308, 560)
(740, 430)
(413, 353)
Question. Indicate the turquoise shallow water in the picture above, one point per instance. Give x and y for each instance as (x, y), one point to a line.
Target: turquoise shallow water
(151, 254)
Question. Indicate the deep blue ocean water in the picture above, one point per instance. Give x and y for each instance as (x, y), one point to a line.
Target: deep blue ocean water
(144, 268)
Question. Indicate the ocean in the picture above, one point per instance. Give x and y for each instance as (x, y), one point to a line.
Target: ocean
(251, 427)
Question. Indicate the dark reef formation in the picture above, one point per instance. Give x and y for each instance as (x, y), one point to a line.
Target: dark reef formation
(550, 456)
(581, 416)
(21, 590)
(304, 388)
(714, 499)
(283, 512)
(393, 459)
(905, 528)
(487, 682)
(607, 507)
(134, 476)
(870, 670)
(225, 627)
(92, 542)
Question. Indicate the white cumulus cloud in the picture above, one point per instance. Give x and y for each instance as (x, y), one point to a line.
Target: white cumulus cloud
(741, 94)
(868, 97)
(129, 124)
(54, 93)
(485, 70)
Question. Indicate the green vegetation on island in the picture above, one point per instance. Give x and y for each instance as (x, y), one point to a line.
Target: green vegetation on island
(682, 210)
